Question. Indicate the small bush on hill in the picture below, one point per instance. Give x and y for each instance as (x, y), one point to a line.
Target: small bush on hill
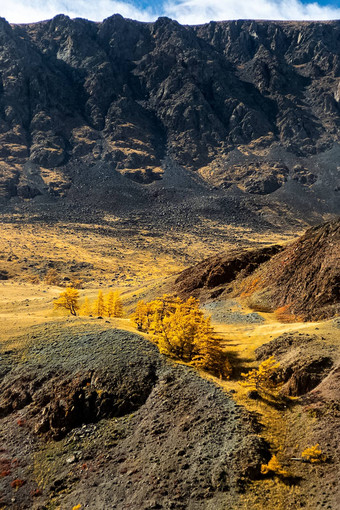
(52, 277)
(274, 468)
(262, 379)
(313, 454)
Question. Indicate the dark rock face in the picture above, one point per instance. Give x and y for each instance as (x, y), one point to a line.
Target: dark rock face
(74, 93)
(303, 278)
(221, 270)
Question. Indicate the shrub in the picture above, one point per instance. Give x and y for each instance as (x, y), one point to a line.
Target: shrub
(16, 484)
(262, 379)
(274, 467)
(76, 283)
(52, 277)
(313, 454)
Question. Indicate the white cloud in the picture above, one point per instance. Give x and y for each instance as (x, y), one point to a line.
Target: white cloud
(185, 11)
(202, 11)
(27, 11)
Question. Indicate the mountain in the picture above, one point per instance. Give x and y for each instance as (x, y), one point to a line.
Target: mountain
(252, 106)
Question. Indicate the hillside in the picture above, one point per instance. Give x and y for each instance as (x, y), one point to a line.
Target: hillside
(301, 279)
(95, 415)
(244, 105)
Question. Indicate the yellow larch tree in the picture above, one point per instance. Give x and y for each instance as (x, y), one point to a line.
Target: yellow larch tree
(114, 304)
(99, 306)
(85, 308)
(68, 300)
(180, 330)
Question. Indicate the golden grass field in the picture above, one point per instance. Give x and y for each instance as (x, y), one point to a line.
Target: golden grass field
(116, 254)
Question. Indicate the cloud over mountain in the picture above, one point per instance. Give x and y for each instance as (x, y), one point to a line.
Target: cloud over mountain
(185, 11)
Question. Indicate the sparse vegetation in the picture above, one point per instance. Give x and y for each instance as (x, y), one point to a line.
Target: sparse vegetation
(262, 379)
(53, 277)
(181, 331)
(76, 283)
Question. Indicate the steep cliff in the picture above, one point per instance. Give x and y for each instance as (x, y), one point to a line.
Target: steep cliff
(254, 104)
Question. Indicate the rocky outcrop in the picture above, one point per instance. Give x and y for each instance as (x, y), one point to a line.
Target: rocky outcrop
(304, 361)
(304, 279)
(230, 99)
(221, 270)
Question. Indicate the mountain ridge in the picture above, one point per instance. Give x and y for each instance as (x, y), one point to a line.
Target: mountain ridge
(251, 104)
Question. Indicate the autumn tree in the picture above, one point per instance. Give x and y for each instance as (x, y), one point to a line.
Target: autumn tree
(86, 307)
(99, 306)
(114, 304)
(68, 300)
(138, 317)
(180, 330)
(262, 379)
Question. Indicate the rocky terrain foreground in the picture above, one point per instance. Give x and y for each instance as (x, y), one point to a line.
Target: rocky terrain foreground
(96, 416)
(92, 414)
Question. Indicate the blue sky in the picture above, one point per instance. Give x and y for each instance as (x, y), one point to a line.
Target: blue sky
(185, 11)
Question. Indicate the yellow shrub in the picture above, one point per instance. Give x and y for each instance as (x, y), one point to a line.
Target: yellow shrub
(52, 277)
(274, 467)
(314, 454)
(261, 378)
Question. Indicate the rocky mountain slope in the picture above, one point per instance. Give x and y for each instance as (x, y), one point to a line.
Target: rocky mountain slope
(302, 280)
(245, 103)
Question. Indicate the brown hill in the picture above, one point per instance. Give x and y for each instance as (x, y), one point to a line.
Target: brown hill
(301, 280)
(221, 270)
